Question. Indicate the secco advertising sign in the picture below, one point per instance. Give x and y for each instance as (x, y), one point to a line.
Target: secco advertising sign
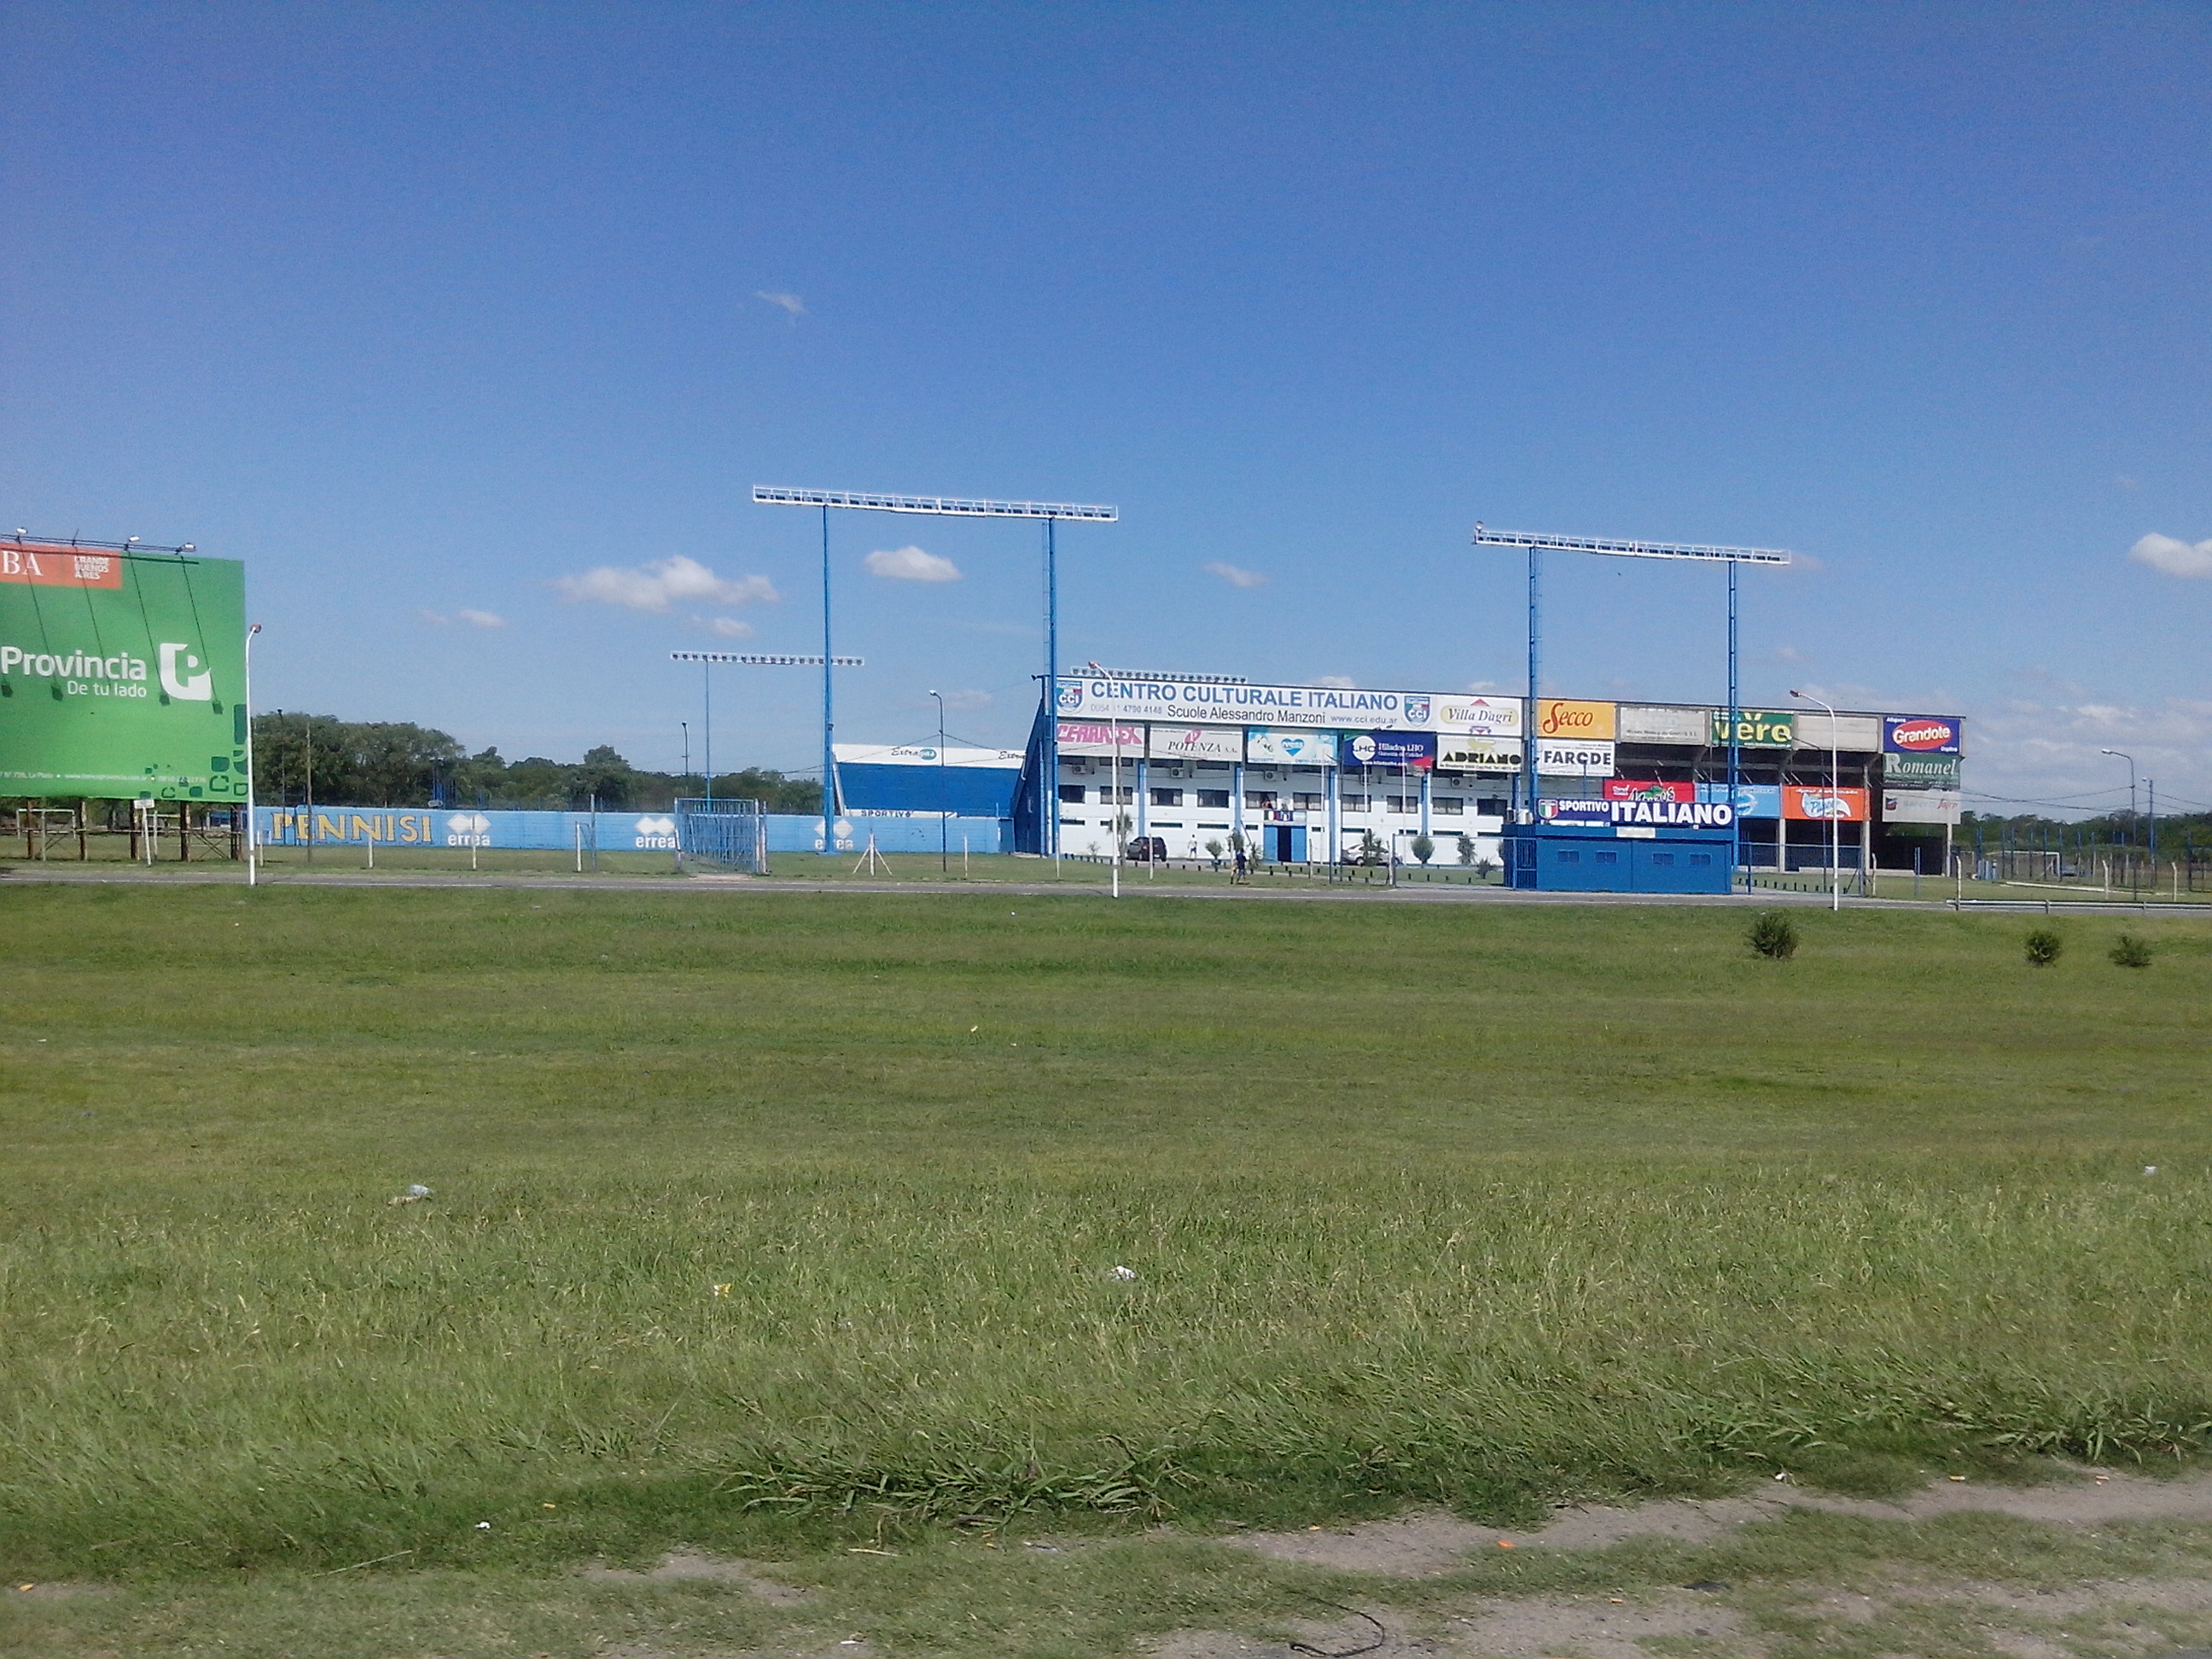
(1412, 750)
(1103, 697)
(1210, 743)
(1558, 717)
(1472, 751)
(120, 676)
(1920, 734)
(1290, 748)
(1804, 803)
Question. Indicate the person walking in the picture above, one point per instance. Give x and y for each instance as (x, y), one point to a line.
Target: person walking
(1243, 868)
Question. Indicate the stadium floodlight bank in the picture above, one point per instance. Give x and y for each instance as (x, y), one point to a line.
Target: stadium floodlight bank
(942, 507)
(1309, 774)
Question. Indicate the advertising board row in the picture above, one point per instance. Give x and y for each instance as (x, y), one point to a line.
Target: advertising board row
(1205, 712)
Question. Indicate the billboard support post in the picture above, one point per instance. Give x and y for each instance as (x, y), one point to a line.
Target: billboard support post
(252, 779)
(1835, 801)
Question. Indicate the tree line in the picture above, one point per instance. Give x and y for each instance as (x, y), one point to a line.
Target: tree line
(300, 757)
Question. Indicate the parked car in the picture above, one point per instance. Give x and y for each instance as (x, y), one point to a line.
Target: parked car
(1146, 849)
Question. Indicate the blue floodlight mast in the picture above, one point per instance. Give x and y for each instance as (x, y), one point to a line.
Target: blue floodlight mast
(948, 507)
(1538, 544)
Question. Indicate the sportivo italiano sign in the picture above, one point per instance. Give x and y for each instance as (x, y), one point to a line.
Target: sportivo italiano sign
(121, 675)
(1638, 814)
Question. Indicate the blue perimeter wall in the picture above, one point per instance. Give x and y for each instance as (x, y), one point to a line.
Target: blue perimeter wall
(612, 832)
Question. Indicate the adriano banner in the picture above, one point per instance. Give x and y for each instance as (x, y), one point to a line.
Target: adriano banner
(121, 675)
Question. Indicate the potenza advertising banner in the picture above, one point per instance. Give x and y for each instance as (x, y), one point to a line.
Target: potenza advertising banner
(121, 677)
(1208, 743)
(1411, 751)
(1290, 748)
(1474, 752)
(1756, 729)
(1921, 771)
(1204, 703)
(1922, 734)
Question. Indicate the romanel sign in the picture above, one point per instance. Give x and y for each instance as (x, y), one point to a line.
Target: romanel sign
(1756, 729)
(1921, 771)
(121, 675)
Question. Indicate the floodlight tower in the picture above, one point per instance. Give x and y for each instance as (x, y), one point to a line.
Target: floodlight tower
(951, 507)
(1538, 544)
(707, 659)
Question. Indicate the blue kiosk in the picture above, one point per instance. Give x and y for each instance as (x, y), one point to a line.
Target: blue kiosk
(1623, 846)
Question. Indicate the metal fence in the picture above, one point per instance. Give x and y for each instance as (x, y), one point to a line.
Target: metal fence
(729, 835)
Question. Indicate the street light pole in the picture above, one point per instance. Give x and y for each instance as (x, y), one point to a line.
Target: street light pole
(943, 817)
(1835, 801)
(2121, 754)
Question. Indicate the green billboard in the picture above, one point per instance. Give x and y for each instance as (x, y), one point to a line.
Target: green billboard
(122, 674)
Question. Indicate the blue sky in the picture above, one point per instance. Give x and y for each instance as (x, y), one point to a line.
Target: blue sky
(432, 313)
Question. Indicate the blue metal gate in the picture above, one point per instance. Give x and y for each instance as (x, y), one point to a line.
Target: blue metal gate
(732, 835)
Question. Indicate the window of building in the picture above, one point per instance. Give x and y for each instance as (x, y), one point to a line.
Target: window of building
(1072, 794)
(1404, 803)
(1447, 806)
(1309, 802)
(1571, 858)
(1493, 809)
(1167, 797)
(1705, 859)
(1213, 798)
(1608, 858)
(1128, 796)
(1355, 803)
(1662, 858)
(1259, 800)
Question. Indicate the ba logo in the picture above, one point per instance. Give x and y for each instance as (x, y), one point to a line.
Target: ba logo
(1070, 698)
(1417, 710)
(1294, 747)
(655, 833)
(1363, 749)
(468, 830)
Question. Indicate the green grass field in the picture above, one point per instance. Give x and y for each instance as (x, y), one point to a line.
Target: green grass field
(760, 1221)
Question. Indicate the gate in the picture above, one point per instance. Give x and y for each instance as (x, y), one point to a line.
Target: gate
(728, 835)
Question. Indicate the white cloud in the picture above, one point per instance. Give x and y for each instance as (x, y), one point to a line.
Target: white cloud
(967, 699)
(789, 303)
(1788, 653)
(2125, 482)
(1235, 576)
(1481, 687)
(434, 619)
(731, 628)
(2052, 752)
(911, 564)
(2174, 558)
(656, 586)
(483, 619)
(1337, 681)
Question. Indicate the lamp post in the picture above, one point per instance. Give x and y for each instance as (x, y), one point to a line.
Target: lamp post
(1835, 801)
(2121, 754)
(686, 728)
(252, 840)
(944, 818)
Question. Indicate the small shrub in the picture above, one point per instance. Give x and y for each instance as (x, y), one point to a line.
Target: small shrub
(1774, 935)
(1423, 850)
(2043, 947)
(2131, 952)
(1465, 848)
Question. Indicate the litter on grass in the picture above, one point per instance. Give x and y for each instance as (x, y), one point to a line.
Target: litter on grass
(1120, 1272)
